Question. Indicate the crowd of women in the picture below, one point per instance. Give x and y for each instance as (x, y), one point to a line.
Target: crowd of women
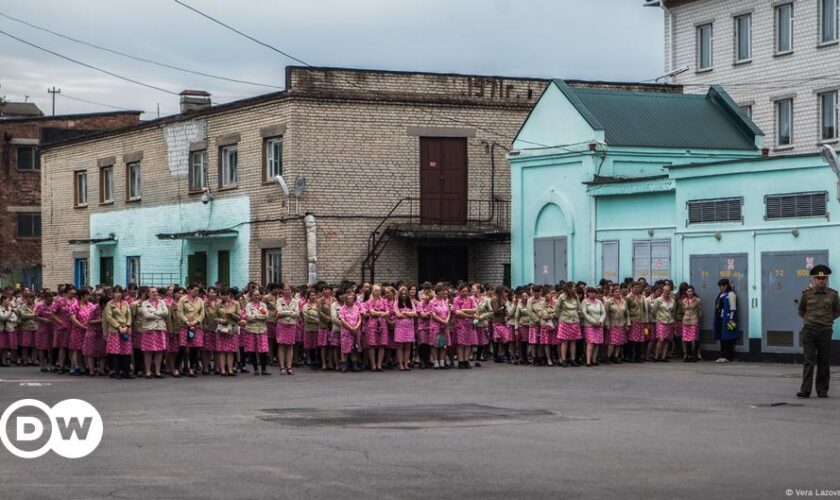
(151, 331)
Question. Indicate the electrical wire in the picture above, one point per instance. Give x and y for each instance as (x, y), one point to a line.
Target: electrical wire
(350, 82)
(110, 73)
(137, 58)
(72, 98)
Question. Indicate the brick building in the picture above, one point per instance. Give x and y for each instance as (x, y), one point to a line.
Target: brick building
(405, 178)
(779, 60)
(23, 130)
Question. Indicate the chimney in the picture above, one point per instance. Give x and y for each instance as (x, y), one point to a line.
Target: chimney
(194, 100)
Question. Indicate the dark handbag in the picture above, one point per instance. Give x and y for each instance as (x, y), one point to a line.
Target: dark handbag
(440, 343)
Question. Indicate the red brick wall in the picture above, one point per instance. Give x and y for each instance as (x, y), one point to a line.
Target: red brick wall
(23, 188)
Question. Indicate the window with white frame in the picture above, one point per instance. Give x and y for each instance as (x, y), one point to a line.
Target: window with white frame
(747, 109)
(784, 28)
(743, 38)
(784, 122)
(198, 170)
(80, 188)
(705, 45)
(828, 115)
(828, 21)
(273, 157)
(106, 184)
(132, 270)
(133, 181)
(27, 158)
(228, 158)
(29, 224)
(272, 268)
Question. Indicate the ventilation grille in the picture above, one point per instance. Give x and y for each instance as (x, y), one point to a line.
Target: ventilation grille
(779, 338)
(785, 206)
(721, 210)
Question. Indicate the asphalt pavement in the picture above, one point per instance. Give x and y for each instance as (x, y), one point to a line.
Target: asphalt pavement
(632, 431)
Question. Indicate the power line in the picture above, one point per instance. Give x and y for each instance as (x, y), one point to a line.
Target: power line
(137, 82)
(350, 82)
(137, 58)
(73, 98)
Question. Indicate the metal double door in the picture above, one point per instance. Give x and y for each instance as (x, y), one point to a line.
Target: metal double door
(550, 260)
(705, 272)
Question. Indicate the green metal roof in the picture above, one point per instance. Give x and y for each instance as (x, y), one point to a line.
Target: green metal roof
(664, 120)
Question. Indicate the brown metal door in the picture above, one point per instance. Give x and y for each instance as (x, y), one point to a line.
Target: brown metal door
(443, 180)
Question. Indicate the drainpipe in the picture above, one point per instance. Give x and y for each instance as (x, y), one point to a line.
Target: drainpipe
(311, 248)
(670, 42)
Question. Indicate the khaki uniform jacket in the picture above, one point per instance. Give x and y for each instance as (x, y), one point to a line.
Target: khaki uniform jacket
(8, 319)
(594, 313)
(153, 317)
(311, 317)
(228, 313)
(255, 318)
(567, 309)
(662, 311)
(523, 318)
(637, 309)
(190, 310)
(617, 312)
(538, 311)
(26, 315)
(325, 319)
(114, 316)
(691, 311)
(270, 301)
(287, 314)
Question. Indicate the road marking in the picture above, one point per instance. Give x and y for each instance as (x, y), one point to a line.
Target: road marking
(35, 384)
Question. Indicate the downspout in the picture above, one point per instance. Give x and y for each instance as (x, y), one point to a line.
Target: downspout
(671, 61)
(311, 248)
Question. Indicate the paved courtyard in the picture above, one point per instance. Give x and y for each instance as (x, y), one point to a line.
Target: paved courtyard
(631, 431)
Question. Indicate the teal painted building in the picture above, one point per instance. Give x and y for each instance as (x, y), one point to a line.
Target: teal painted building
(615, 183)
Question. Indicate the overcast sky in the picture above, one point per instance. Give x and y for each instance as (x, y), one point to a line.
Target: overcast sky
(586, 39)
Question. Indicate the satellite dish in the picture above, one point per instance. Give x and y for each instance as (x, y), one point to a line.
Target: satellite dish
(300, 185)
(830, 157)
(280, 182)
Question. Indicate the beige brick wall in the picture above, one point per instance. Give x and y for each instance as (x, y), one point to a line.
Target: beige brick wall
(354, 151)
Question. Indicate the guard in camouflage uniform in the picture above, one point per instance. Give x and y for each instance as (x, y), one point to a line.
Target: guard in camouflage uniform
(819, 306)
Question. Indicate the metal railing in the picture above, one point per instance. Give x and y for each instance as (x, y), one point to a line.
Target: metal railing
(159, 279)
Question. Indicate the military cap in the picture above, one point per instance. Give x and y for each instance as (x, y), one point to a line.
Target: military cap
(820, 270)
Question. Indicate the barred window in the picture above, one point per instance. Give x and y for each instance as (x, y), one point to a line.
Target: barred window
(719, 210)
(786, 206)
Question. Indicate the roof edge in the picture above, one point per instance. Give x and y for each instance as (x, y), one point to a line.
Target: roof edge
(70, 116)
(578, 104)
(722, 99)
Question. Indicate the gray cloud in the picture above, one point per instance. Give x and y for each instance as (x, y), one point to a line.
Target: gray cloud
(591, 39)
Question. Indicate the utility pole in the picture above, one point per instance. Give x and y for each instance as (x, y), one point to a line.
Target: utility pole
(53, 91)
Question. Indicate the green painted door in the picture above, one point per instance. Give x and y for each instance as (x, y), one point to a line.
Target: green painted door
(106, 271)
(224, 267)
(197, 269)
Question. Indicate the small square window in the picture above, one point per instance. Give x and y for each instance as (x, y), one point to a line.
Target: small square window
(133, 181)
(747, 109)
(27, 158)
(29, 225)
(228, 159)
(198, 170)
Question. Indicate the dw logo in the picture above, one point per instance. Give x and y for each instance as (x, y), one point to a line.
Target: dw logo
(72, 428)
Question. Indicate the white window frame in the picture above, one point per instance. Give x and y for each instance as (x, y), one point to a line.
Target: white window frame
(133, 181)
(107, 184)
(738, 47)
(31, 218)
(273, 262)
(822, 5)
(701, 46)
(273, 161)
(779, 26)
(820, 103)
(228, 166)
(81, 188)
(778, 112)
(132, 270)
(201, 173)
(35, 165)
(747, 109)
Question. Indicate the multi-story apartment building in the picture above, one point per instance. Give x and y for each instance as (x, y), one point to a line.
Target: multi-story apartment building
(23, 131)
(405, 178)
(779, 60)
